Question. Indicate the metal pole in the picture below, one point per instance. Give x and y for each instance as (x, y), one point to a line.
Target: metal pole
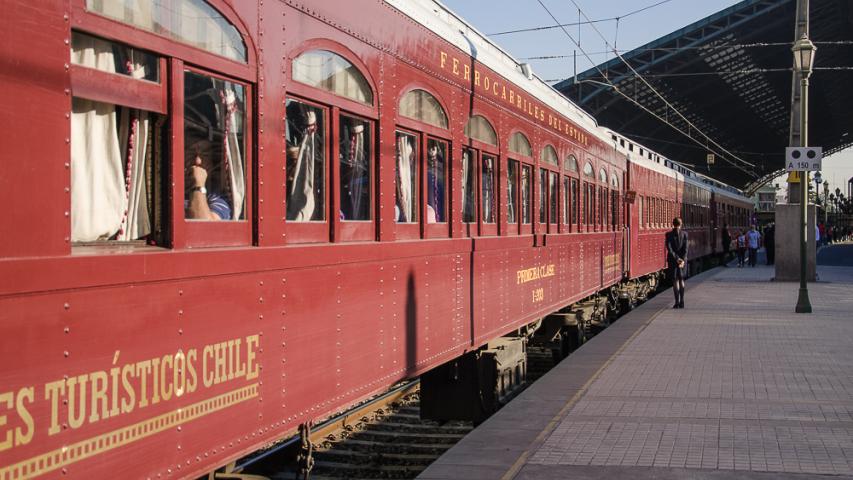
(803, 303)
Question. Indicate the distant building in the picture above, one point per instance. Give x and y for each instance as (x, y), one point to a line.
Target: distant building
(765, 199)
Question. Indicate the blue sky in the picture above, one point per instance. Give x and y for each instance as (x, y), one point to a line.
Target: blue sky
(634, 30)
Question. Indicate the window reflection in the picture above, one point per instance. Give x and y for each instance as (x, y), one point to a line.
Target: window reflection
(512, 190)
(526, 182)
(468, 191)
(488, 186)
(552, 184)
(355, 169)
(306, 162)
(436, 181)
(214, 115)
(543, 195)
(406, 207)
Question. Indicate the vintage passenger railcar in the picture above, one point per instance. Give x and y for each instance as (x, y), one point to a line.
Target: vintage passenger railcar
(226, 219)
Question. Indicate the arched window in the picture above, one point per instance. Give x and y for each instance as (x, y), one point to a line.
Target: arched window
(480, 129)
(331, 72)
(519, 144)
(602, 176)
(588, 171)
(193, 22)
(614, 181)
(549, 155)
(421, 105)
(571, 163)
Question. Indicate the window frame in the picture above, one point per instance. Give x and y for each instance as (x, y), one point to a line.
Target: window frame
(333, 229)
(480, 147)
(426, 132)
(521, 228)
(409, 230)
(549, 225)
(174, 57)
(221, 233)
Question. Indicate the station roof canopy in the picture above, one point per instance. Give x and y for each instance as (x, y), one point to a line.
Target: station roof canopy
(731, 76)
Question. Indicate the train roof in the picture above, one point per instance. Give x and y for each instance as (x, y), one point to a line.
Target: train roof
(648, 158)
(445, 23)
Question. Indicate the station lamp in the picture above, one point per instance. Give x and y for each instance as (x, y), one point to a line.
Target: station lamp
(804, 52)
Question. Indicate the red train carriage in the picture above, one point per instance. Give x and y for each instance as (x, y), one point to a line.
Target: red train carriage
(226, 219)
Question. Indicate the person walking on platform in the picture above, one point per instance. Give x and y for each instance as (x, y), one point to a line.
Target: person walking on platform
(741, 248)
(676, 259)
(727, 244)
(753, 242)
(770, 243)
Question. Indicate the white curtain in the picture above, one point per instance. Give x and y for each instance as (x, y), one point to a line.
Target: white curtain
(404, 170)
(136, 222)
(465, 200)
(233, 155)
(302, 190)
(98, 196)
(358, 170)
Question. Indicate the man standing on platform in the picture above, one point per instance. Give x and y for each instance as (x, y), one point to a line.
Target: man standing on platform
(676, 259)
(752, 241)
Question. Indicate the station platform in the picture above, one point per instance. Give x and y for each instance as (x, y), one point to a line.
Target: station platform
(735, 386)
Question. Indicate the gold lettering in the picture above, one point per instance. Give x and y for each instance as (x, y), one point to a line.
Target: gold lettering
(251, 343)
(155, 380)
(129, 402)
(241, 365)
(179, 374)
(230, 359)
(220, 355)
(52, 391)
(165, 392)
(192, 383)
(443, 60)
(114, 373)
(503, 92)
(476, 77)
(7, 398)
(207, 352)
(486, 83)
(495, 88)
(22, 438)
(99, 395)
(455, 66)
(467, 73)
(142, 371)
(511, 96)
(76, 416)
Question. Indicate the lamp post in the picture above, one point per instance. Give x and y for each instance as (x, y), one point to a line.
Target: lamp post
(825, 201)
(804, 52)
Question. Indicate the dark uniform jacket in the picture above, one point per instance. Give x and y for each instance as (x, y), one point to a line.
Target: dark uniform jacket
(676, 249)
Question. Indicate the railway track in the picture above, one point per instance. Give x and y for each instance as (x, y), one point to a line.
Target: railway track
(383, 438)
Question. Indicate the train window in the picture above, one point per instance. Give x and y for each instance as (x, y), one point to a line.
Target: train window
(571, 164)
(110, 57)
(193, 22)
(543, 195)
(421, 105)
(354, 184)
(602, 206)
(512, 191)
(526, 197)
(488, 186)
(553, 185)
(330, 72)
(119, 189)
(436, 181)
(574, 204)
(469, 198)
(588, 170)
(616, 207)
(306, 162)
(519, 144)
(214, 121)
(406, 206)
(478, 128)
(549, 156)
(640, 203)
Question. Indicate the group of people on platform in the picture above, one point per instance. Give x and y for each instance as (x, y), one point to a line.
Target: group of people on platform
(747, 243)
(829, 234)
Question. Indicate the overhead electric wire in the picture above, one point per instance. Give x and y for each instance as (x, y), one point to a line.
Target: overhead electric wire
(661, 97)
(724, 72)
(588, 22)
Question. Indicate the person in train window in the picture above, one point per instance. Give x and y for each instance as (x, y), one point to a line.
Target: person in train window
(204, 203)
(435, 183)
(676, 259)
